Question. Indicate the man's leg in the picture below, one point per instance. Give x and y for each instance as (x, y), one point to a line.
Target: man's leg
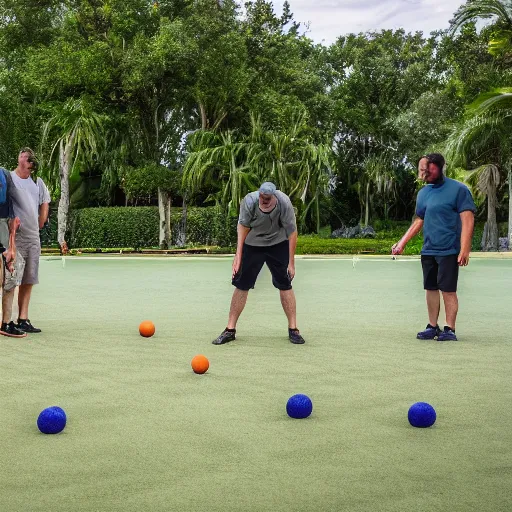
(7, 302)
(451, 306)
(238, 302)
(252, 261)
(289, 305)
(448, 279)
(30, 253)
(24, 300)
(433, 298)
(433, 306)
(277, 259)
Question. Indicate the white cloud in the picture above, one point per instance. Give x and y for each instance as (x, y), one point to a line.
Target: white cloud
(330, 19)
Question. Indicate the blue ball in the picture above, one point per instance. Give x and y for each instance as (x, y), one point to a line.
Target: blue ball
(299, 406)
(51, 420)
(421, 415)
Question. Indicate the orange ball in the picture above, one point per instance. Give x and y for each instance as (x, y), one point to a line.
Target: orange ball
(200, 364)
(147, 329)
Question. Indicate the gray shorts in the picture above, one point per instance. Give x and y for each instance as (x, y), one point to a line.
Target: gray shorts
(30, 251)
(10, 279)
(4, 232)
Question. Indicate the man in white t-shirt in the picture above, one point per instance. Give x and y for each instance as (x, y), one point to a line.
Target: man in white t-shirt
(30, 201)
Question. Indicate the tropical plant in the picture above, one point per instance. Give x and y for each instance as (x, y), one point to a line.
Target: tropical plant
(76, 135)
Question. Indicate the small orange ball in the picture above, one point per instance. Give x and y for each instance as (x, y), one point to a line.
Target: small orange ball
(147, 329)
(200, 364)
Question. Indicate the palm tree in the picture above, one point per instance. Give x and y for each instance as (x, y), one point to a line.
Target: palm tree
(79, 133)
(218, 161)
(234, 164)
(484, 142)
(485, 180)
(499, 10)
(501, 43)
(377, 174)
(297, 165)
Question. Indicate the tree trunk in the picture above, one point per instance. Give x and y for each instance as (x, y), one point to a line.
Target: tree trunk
(317, 214)
(492, 241)
(181, 238)
(64, 170)
(367, 212)
(204, 118)
(164, 209)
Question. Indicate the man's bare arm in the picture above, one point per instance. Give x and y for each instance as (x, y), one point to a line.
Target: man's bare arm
(415, 228)
(293, 246)
(242, 232)
(44, 210)
(468, 223)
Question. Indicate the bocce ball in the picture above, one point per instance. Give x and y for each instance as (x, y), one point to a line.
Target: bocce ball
(200, 364)
(51, 420)
(147, 329)
(421, 415)
(299, 406)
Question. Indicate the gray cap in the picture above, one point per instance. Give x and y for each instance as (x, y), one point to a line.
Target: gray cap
(268, 188)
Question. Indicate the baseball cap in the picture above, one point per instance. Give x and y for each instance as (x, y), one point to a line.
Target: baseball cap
(268, 188)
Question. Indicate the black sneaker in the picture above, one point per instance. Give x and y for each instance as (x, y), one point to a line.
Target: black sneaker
(12, 331)
(26, 326)
(429, 333)
(295, 337)
(225, 337)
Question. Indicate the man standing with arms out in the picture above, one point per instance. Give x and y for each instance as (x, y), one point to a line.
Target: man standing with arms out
(445, 210)
(267, 233)
(30, 199)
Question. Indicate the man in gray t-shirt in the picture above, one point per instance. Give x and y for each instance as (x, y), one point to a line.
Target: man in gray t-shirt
(267, 233)
(30, 200)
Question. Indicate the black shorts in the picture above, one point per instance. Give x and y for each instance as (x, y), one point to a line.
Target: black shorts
(440, 272)
(277, 258)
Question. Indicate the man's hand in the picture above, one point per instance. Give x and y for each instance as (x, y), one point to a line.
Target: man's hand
(291, 270)
(9, 260)
(398, 248)
(463, 259)
(236, 265)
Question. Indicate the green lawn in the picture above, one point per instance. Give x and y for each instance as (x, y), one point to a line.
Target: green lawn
(145, 433)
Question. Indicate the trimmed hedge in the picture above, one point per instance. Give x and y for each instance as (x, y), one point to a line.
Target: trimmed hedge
(137, 227)
(114, 227)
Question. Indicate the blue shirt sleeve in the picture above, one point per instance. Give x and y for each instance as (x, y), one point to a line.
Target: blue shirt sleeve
(420, 205)
(465, 200)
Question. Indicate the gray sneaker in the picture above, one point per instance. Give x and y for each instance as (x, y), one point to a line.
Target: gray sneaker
(295, 337)
(225, 337)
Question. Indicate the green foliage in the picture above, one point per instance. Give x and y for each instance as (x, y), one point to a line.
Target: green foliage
(233, 164)
(346, 246)
(137, 227)
(144, 182)
(114, 227)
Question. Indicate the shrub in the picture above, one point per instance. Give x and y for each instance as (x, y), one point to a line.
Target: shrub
(138, 227)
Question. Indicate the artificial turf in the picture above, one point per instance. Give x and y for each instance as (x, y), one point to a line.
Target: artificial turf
(145, 433)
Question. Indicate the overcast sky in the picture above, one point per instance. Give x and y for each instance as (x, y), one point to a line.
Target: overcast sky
(332, 18)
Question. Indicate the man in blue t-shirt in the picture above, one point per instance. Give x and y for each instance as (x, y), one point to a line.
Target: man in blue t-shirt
(445, 210)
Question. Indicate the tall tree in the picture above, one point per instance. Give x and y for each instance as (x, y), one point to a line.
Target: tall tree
(76, 134)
